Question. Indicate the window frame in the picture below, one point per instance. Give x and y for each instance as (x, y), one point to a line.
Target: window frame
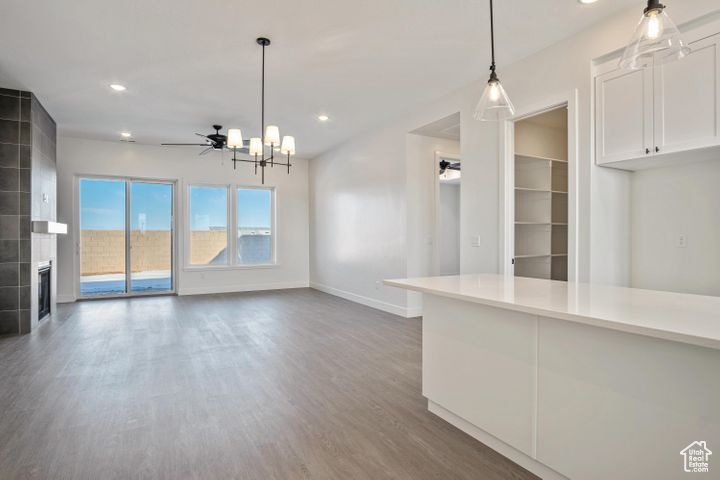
(232, 213)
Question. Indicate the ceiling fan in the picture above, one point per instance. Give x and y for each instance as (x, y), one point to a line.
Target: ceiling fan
(445, 165)
(214, 141)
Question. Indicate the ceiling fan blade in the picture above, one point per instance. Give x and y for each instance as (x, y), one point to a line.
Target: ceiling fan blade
(185, 144)
(201, 135)
(239, 150)
(209, 149)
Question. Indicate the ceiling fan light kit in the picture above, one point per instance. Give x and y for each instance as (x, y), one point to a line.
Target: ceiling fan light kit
(255, 147)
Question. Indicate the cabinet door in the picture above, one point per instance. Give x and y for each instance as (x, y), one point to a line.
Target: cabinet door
(687, 108)
(623, 115)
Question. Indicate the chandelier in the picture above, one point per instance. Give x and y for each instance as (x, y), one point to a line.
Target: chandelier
(271, 139)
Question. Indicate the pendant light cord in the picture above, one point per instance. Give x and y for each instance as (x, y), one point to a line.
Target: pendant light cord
(262, 108)
(492, 37)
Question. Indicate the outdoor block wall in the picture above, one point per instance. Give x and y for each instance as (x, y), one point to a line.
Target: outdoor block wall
(104, 250)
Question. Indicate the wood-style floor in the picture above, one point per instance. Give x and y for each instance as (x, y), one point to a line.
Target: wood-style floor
(291, 384)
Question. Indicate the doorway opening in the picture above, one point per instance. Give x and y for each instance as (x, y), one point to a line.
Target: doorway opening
(436, 149)
(126, 237)
(541, 195)
(447, 250)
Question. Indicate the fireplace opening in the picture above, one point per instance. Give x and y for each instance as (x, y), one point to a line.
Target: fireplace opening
(43, 291)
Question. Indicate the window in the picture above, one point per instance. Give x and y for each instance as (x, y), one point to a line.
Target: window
(215, 211)
(254, 226)
(208, 220)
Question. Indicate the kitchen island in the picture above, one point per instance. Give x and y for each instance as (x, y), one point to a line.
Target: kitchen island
(570, 379)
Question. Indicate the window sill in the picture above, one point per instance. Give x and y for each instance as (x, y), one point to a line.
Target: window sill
(221, 268)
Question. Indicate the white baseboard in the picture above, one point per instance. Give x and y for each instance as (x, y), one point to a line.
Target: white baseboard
(65, 298)
(241, 288)
(522, 459)
(367, 301)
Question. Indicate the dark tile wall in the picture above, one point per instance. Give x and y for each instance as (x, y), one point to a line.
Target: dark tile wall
(13, 122)
(27, 144)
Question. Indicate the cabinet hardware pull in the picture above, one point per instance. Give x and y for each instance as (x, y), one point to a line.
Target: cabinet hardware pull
(657, 149)
(647, 151)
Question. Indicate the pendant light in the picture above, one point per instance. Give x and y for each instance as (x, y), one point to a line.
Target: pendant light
(656, 40)
(494, 103)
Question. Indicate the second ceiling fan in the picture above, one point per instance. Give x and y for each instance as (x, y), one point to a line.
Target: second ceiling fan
(213, 141)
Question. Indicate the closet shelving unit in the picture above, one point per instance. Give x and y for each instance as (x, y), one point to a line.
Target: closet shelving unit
(541, 216)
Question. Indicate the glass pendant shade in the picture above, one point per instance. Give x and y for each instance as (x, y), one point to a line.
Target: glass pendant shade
(234, 138)
(288, 145)
(494, 104)
(656, 41)
(256, 146)
(272, 135)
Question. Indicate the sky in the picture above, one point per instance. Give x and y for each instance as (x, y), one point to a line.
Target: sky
(102, 206)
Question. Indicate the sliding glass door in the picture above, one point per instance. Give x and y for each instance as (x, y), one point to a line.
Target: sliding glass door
(126, 237)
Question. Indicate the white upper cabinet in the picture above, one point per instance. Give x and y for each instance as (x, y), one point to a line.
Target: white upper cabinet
(687, 113)
(624, 115)
(661, 115)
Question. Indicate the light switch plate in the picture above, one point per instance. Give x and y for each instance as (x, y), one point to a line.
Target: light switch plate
(475, 241)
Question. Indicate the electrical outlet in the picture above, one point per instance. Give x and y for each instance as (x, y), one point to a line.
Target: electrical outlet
(378, 284)
(45, 198)
(475, 241)
(681, 241)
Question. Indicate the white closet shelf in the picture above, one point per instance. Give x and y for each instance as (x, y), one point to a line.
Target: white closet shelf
(541, 190)
(538, 157)
(541, 223)
(541, 255)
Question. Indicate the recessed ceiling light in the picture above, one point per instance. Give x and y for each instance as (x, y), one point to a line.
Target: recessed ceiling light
(323, 118)
(125, 134)
(587, 2)
(118, 88)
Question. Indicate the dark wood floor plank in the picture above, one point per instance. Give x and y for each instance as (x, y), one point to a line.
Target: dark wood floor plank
(291, 384)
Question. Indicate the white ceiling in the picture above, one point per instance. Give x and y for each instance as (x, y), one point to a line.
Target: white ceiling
(188, 63)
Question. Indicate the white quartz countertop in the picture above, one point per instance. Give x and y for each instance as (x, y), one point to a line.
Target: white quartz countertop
(680, 317)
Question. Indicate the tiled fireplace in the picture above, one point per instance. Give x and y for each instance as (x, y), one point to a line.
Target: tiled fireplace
(27, 192)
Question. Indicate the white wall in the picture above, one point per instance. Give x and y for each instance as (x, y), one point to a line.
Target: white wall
(667, 203)
(359, 212)
(449, 234)
(183, 165)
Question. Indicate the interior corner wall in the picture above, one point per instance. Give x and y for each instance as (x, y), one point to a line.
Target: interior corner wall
(77, 157)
